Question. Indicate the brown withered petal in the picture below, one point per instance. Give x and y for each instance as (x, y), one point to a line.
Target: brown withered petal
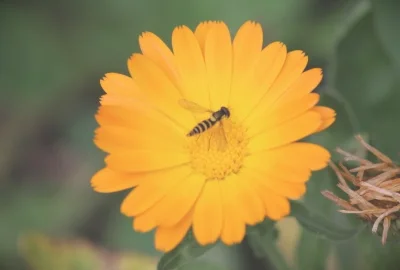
(372, 187)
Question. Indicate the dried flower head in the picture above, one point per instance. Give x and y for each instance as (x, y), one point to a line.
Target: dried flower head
(373, 189)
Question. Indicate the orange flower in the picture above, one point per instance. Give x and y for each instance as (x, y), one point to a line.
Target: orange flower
(240, 170)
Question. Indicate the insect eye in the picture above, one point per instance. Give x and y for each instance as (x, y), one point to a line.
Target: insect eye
(227, 112)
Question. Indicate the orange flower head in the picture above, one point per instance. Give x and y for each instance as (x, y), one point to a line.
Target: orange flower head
(206, 133)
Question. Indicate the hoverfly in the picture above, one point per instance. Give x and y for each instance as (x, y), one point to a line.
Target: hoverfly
(216, 118)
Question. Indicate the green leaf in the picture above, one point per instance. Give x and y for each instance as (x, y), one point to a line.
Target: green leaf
(262, 240)
(365, 73)
(319, 248)
(202, 265)
(262, 228)
(347, 258)
(258, 231)
(186, 252)
(309, 242)
(373, 255)
(387, 25)
(367, 81)
(320, 225)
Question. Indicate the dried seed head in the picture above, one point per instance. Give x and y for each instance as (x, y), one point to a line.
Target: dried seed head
(373, 189)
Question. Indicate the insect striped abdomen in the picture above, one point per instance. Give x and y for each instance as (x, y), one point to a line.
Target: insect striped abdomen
(202, 126)
(206, 124)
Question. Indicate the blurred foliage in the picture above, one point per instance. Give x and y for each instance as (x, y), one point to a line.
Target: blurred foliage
(43, 253)
(262, 240)
(367, 79)
(319, 225)
(53, 54)
(387, 22)
(184, 254)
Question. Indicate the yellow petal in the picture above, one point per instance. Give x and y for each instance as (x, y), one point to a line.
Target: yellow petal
(107, 180)
(290, 131)
(274, 181)
(278, 169)
(207, 216)
(284, 112)
(269, 65)
(286, 158)
(124, 101)
(178, 201)
(158, 89)
(119, 84)
(313, 156)
(304, 85)
(201, 33)
(138, 117)
(156, 50)
(218, 59)
(328, 116)
(154, 186)
(287, 189)
(114, 138)
(249, 201)
(120, 90)
(106, 115)
(247, 46)
(191, 66)
(233, 226)
(167, 238)
(294, 65)
(144, 222)
(281, 171)
(145, 160)
(277, 207)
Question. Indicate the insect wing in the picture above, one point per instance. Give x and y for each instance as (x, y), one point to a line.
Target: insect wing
(193, 107)
(218, 137)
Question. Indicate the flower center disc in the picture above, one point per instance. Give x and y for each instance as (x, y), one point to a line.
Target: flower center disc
(219, 151)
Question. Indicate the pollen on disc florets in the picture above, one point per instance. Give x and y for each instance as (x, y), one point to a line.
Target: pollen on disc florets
(217, 154)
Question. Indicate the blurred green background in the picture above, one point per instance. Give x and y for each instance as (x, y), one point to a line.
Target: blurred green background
(52, 56)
